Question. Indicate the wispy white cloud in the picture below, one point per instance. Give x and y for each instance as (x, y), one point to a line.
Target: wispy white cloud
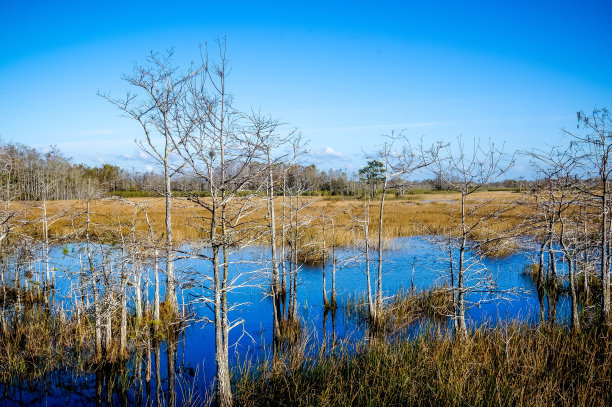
(327, 153)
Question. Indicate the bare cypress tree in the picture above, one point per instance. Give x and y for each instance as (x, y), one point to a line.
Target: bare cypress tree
(326, 303)
(370, 175)
(594, 144)
(467, 172)
(398, 160)
(153, 244)
(264, 131)
(220, 152)
(563, 196)
(93, 280)
(395, 159)
(158, 107)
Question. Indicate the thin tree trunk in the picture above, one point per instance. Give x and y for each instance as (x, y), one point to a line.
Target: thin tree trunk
(460, 277)
(223, 391)
(283, 237)
(540, 282)
(156, 288)
(171, 301)
(123, 330)
(371, 309)
(454, 290)
(604, 264)
(572, 278)
(276, 285)
(333, 286)
(94, 289)
(325, 300)
(138, 294)
(380, 244)
(571, 266)
(552, 260)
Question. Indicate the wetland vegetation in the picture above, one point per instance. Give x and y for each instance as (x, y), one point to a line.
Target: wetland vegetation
(249, 278)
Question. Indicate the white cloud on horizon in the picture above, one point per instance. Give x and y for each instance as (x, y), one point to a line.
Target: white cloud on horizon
(326, 154)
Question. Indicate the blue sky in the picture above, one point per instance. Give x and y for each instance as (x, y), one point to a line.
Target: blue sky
(344, 73)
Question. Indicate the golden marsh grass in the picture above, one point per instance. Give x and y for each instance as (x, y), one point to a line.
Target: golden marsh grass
(407, 216)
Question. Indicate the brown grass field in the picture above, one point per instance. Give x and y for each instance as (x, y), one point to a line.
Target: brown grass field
(407, 216)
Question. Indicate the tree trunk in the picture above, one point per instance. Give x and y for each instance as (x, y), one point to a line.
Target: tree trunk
(333, 262)
(325, 300)
(94, 288)
(572, 278)
(276, 285)
(123, 330)
(156, 288)
(540, 282)
(366, 235)
(380, 245)
(461, 325)
(171, 301)
(138, 294)
(604, 264)
(223, 391)
(552, 258)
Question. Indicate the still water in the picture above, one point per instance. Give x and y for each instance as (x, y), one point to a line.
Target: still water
(410, 263)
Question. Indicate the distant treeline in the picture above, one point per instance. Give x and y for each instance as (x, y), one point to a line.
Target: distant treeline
(27, 174)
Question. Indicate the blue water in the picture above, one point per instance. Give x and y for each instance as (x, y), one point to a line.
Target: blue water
(513, 298)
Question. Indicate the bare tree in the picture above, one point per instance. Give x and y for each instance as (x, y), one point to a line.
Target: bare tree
(468, 172)
(594, 144)
(264, 131)
(220, 151)
(395, 159)
(398, 160)
(562, 196)
(158, 107)
(371, 175)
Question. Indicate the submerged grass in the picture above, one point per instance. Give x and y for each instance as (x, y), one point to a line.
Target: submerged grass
(511, 365)
(36, 341)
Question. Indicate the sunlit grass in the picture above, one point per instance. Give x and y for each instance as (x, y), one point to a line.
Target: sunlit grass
(504, 366)
(408, 216)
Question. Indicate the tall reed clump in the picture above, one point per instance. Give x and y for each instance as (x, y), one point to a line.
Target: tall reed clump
(404, 308)
(510, 365)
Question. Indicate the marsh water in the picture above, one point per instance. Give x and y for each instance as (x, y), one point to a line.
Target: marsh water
(413, 263)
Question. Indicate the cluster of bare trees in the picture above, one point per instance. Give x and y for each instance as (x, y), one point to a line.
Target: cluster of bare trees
(95, 290)
(571, 217)
(472, 232)
(191, 127)
(28, 175)
(395, 160)
(194, 132)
